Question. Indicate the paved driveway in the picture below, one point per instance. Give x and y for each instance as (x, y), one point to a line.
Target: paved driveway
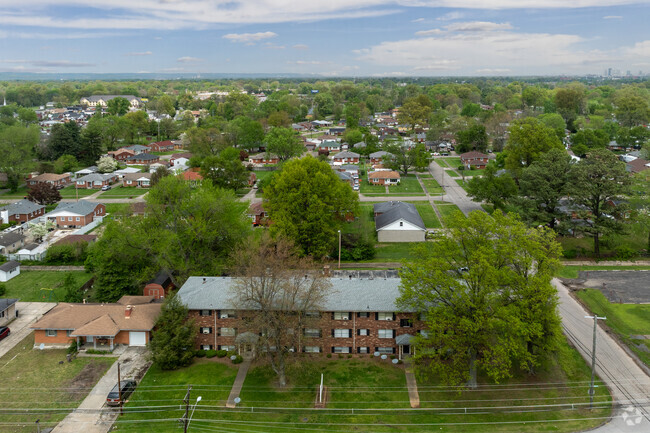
(92, 415)
(629, 287)
(28, 313)
(628, 383)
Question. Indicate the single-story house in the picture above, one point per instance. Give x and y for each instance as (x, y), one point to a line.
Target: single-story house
(95, 180)
(58, 180)
(128, 170)
(21, 211)
(359, 145)
(84, 171)
(329, 146)
(137, 149)
(11, 242)
(345, 157)
(474, 159)
(257, 214)
(76, 239)
(180, 159)
(8, 270)
(191, 176)
(121, 154)
(138, 180)
(142, 159)
(345, 177)
(384, 177)
(76, 214)
(377, 157)
(129, 322)
(637, 166)
(7, 310)
(161, 146)
(396, 221)
(263, 158)
(336, 131)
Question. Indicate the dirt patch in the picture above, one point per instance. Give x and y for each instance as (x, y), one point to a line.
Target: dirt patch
(79, 386)
(625, 287)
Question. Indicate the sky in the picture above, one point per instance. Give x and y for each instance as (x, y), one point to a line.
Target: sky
(351, 38)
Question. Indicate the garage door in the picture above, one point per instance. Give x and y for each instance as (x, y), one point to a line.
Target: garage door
(137, 338)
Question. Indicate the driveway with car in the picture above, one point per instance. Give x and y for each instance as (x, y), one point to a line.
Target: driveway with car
(28, 313)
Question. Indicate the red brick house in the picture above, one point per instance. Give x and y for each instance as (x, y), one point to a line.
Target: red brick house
(95, 180)
(121, 154)
(137, 180)
(159, 287)
(76, 214)
(359, 317)
(191, 176)
(257, 214)
(346, 157)
(58, 180)
(378, 157)
(252, 178)
(21, 212)
(142, 159)
(384, 177)
(263, 158)
(162, 146)
(474, 159)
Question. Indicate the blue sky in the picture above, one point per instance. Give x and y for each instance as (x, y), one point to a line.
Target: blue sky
(326, 37)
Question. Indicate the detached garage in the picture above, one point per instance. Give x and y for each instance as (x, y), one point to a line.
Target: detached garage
(397, 221)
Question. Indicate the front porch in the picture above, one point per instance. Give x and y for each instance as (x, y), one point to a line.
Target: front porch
(404, 347)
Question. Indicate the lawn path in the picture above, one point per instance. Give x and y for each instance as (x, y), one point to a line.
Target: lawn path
(239, 383)
(411, 384)
(431, 201)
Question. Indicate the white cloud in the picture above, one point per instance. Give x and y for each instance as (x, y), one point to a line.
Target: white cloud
(138, 54)
(300, 47)
(49, 63)
(451, 16)
(477, 26)
(305, 62)
(493, 71)
(613, 17)
(418, 20)
(272, 46)
(188, 59)
(249, 38)
(639, 50)
(429, 32)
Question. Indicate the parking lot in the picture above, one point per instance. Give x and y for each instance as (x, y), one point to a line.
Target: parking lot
(628, 287)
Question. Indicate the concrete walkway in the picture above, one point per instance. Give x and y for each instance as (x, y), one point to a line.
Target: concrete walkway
(627, 382)
(28, 313)
(92, 416)
(238, 383)
(411, 384)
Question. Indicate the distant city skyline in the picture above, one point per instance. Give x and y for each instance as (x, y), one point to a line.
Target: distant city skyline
(327, 38)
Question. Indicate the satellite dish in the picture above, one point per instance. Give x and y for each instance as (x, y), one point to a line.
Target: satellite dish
(42, 346)
(376, 353)
(384, 357)
(237, 400)
(395, 361)
(233, 357)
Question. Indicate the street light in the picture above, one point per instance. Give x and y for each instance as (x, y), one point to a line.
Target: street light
(198, 399)
(339, 249)
(592, 389)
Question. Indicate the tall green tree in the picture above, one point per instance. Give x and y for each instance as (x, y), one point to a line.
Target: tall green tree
(486, 295)
(600, 183)
(16, 149)
(529, 139)
(283, 142)
(496, 187)
(414, 113)
(640, 203)
(65, 139)
(174, 336)
(472, 138)
(225, 170)
(118, 106)
(308, 203)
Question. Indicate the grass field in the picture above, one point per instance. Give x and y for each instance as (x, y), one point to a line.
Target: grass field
(623, 319)
(113, 208)
(428, 215)
(432, 186)
(571, 271)
(408, 186)
(118, 191)
(35, 381)
(448, 212)
(359, 384)
(441, 162)
(19, 194)
(27, 286)
(73, 192)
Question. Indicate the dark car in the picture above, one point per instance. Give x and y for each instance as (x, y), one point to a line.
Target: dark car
(113, 398)
(4, 331)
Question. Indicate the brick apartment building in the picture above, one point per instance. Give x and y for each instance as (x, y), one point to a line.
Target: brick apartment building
(358, 317)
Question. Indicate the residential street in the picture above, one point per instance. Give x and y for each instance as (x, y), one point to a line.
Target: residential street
(89, 417)
(454, 193)
(628, 383)
(28, 313)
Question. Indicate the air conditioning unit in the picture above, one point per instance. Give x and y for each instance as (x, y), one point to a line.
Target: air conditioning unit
(388, 318)
(206, 330)
(223, 316)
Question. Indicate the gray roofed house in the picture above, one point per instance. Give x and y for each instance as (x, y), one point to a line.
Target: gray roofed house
(22, 211)
(95, 180)
(359, 145)
(378, 155)
(347, 294)
(11, 242)
(7, 310)
(87, 170)
(9, 270)
(143, 157)
(396, 221)
(137, 148)
(81, 207)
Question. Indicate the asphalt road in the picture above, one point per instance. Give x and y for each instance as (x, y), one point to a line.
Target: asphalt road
(454, 193)
(627, 382)
(28, 313)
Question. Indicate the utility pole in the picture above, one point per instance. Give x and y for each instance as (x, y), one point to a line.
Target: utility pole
(339, 249)
(38, 426)
(186, 400)
(119, 386)
(592, 390)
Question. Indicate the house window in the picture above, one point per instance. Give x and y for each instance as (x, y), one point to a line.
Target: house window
(206, 347)
(227, 332)
(50, 332)
(341, 316)
(341, 333)
(68, 332)
(385, 316)
(313, 314)
(406, 323)
(227, 314)
(206, 330)
(363, 332)
(340, 349)
(386, 333)
(366, 314)
(401, 223)
(227, 348)
(363, 350)
(311, 349)
(69, 218)
(78, 219)
(205, 313)
(385, 349)
(312, 332)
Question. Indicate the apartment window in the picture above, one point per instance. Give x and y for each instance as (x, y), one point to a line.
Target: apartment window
(340, 349)
(78, 219)
(366, 314)
(227, 314)
(385, 316)
(69, 218)
(386, 333)
(423, 333)
(227, 332)
(312, 332)
(363, 332)
(406, 323)
(205, 313)
(206, 330)
(312, 314)
(385, 350)
(341, 316)
(206, 347)
(341, 333)
(50, 332)
(227, 348)
(423, 317)
(363, 350)
(311, 349)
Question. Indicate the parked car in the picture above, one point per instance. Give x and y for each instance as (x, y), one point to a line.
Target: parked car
(4, 332)
(106, 187)
(113, 398)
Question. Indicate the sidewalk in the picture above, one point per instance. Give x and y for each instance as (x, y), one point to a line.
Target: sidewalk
(238, 384)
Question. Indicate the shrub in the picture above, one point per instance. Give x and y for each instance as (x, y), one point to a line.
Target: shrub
(3, 289)
(238, 359)
(625, 252)
(329, 355)
(73, 347)
(210, 353)
(393, 357)
(221, 353)
(200, 353)
(340, 356)
(349, 356)
(98, 352)
(570, 254)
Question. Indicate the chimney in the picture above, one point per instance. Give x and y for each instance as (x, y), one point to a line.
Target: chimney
(326, 270)
(204, 280)
(127, 311)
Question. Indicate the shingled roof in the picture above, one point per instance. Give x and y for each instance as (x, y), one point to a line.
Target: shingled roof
(22, 207)
(389, 212)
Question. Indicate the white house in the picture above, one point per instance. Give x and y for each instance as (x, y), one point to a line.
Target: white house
(396, 221)
(9, 270)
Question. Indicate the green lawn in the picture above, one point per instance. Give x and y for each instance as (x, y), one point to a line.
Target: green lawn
(448, 212)
(73, 192)
(428, 215)
(27, 286)
(462, 183)
(441, 163)
(261, 175)
(20, 193)
(369, 189)
(113, 208)
(571, 271)
(35, 381)
(393, 251)
(623, 319)
(118, 191)
(408, 186)
(432, 186)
